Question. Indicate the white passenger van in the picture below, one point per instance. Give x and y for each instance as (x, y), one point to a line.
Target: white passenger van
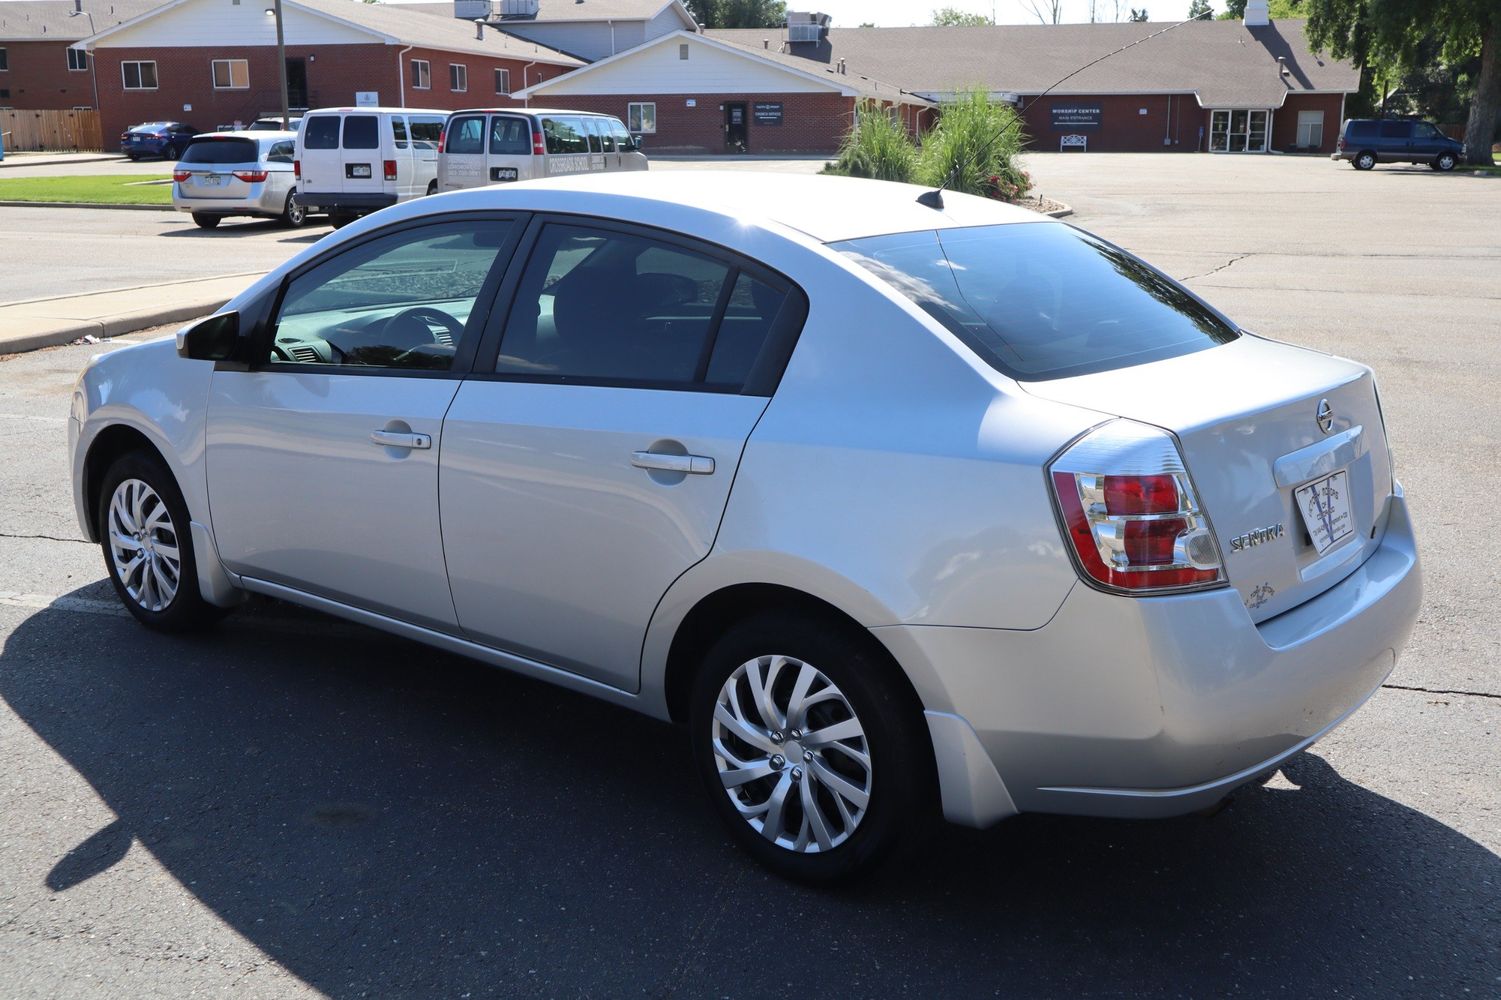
(489, 146)
(354, 161)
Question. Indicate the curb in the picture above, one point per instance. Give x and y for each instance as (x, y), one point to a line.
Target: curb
(85, 204)
(115, 326)
(1061, 213)
(23, 158)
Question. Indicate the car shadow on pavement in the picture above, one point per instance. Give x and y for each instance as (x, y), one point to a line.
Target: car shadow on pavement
(387, 820)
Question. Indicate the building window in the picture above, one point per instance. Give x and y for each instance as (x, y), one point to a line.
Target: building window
(683, 51)
(458, 77)
(138, 75)
(4, 60)
(231, 74)
(422, 75)
(641, 116)
(78, 60)
(1310, 129)
(502, 81)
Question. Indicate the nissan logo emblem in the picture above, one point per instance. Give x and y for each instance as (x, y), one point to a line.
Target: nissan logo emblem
(1325, 416)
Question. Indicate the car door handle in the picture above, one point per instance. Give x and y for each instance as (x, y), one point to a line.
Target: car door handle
(693, 465)
(397, 439)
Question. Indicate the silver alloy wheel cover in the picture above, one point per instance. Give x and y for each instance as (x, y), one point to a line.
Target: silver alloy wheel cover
(775, 772)
(143, 544)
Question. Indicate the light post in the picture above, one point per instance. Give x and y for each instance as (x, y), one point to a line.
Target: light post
(281, 59)
(93, 77)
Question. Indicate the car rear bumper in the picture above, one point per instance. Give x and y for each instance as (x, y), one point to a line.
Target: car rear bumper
(266, 202)
(339, 203)
(1158, 706)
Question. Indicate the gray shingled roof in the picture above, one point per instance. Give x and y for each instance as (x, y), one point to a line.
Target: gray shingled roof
(1226, 63)
(48, 20)
(867, 86)
(413, 27)
(597, 10)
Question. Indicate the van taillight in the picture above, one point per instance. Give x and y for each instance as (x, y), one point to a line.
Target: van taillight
(539, 144)
(390, 170)
(297, 169)
(442, 138)
(1130, 514)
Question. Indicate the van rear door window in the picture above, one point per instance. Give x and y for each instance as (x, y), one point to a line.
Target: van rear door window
(510, 137)
(321, 132)
(361, 132)
(466, 136)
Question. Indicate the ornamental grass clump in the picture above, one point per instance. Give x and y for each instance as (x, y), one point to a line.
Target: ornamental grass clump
(974, 148)
(878, 147)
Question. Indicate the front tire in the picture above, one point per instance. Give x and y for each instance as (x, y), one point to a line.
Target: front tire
(1445, 162)
(205, 221)
(432, 188)
(1364, 161)
(148, 545)
(340, 221)
(810, 750)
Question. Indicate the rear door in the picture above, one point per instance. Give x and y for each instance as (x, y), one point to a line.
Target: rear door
(216, 167)
(591, 466)
(1395, 140)
(318, 149)
(464, 152)
(360, 152)
(508, 149)
(401, 151)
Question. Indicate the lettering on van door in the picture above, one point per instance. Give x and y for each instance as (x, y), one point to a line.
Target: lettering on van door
(570, 164)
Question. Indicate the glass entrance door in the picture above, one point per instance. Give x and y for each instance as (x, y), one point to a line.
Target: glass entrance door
(1237, 131)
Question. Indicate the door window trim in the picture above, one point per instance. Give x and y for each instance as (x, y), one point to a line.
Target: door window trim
(475, 331)
(765, 374)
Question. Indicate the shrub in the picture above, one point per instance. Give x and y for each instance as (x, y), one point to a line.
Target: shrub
(877, 146)
(977, 141)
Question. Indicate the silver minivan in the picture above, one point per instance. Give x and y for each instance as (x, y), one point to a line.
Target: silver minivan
(222, 174)
(494, 146)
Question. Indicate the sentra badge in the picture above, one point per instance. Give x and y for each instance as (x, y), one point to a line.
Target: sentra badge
(1251, 539)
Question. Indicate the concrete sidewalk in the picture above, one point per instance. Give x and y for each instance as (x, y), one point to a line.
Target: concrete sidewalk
(27, 326)
(25, 158)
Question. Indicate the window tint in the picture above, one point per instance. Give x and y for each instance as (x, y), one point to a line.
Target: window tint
(361, 132)
(281, 152)
(1396, 130)
(1040, 300)
(399, 131)
(321, 132)
(622, 137)
(510, 137)
(1361, 130)
(601, 128)
(402, 301)
(587, 126)
(563, 136)
(426, 132)
(603, 306)
(1424, 130)
(466, 135)
(222, 151)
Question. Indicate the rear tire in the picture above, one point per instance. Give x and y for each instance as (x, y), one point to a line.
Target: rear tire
(1364, 161)
(340, 221)
(432, 188)
(145, 534)
(839, 803)
(294, 216)
(169, 152)
(1445, 162)
(205, 221)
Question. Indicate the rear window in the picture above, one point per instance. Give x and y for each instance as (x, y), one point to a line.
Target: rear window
(222, 151)
(510, 137)
(321, 133)
(361, 132)
(1042, 300)
(466, 135)
(1361, 130)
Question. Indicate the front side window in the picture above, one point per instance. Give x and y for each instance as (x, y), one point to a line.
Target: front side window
(466, 136)
(510, 136)
(1426, 130)
(78, 60)
(403, 301)
(361, 132)
(642, 116)
(458, 77)
(138, 75)
(1040, 300)
(321, 132)
(231, 74)
(622, 136)
(599, 306)
(502, 81)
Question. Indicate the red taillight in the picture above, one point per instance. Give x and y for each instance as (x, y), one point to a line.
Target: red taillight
(252, 176)
(181, 175)
(539, 144)
(1141, 532)
(297, 169)
(442, 138)
(390, 170)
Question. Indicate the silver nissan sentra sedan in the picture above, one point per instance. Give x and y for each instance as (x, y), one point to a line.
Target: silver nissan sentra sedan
(898, 508)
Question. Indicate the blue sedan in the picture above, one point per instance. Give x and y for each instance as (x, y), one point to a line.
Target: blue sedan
(164, 139)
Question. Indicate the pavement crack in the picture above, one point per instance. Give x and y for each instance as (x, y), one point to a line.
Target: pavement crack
(44, 538)
(1427, 690)
(1216, 270)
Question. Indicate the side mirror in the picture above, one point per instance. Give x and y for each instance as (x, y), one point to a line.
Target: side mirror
(216, 338)
(635, 143)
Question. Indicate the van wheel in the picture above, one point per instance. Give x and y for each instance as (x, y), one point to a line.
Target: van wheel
(205, 221)
(1364, 161)
(432, 188)
(294, 215)
(1445, 162)
(340, 221)
(811, 755)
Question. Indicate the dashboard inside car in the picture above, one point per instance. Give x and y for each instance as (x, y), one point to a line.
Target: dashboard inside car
(424, 336)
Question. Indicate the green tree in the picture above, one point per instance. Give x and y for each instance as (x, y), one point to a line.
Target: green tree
(1201, 8)
(1138, 15)
(953, 17)
(738, 13)
(1392, 32)
(1277, 10)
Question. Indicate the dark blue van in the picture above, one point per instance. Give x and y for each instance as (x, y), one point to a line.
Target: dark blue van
(1366, 142)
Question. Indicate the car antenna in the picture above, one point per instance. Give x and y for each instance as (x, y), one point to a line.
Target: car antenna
(934, 198)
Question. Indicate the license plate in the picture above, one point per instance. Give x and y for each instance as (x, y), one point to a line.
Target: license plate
(502, 173)
(1325, 504)
(359, 170)
(215, 180)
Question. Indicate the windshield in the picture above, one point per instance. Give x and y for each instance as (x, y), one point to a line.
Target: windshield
(1041, 300)
(222, 151)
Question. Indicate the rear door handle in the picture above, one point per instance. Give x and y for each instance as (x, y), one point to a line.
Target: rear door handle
(693, 465)
(396, 439)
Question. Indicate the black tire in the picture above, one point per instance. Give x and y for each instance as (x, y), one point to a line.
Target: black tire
(1364, 161)
(169, 152)
(205, 221)
(340, 221)
(294, 216)
(1445, 162)
(432, 188)
(902, 787)
(132, 157)
(187, 609)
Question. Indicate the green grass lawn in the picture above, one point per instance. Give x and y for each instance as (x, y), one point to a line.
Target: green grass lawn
(115, 189)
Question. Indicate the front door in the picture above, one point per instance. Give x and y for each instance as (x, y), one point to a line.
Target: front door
(736, 134)
(323, 458)
(1237, 131)
(297, 83)
(592, 467)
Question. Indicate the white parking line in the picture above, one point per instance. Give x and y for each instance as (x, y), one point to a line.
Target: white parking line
(29, 416)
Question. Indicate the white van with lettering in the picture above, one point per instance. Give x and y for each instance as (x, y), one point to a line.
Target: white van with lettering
(492, 146)
(354, 161)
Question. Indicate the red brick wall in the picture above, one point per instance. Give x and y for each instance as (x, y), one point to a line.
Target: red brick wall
(481, 92)
(39, 78)
(1285, 121)
(811, 123)
(1123, 128)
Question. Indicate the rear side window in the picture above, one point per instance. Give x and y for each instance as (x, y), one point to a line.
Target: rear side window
(1396, 130)
(281, 152)
(1041, 300)
(222, 151)
(321, 132)
(466, 135)
(426, 132)
(563, 136)
(589, 127)
(361, 132)
(510, 137)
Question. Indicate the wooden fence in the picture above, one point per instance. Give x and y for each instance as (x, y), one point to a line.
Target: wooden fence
(53, 131)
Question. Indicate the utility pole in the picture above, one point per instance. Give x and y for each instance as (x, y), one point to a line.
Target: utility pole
(281, 61)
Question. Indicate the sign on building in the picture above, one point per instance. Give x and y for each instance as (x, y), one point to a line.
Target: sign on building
(768, 113)
(1073, 117)
(367, 98)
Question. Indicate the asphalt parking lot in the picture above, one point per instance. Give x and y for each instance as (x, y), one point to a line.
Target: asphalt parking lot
(292, 806)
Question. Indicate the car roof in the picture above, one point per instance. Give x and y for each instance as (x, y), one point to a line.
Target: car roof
(531, 111)
(374, 111)
(828, 209)
(261, 134)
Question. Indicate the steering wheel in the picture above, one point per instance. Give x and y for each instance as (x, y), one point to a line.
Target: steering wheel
(413, 328)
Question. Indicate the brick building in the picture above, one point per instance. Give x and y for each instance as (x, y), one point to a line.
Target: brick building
(213, 62)
(39, 69)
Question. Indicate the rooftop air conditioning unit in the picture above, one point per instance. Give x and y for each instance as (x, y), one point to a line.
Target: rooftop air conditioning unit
(518, 8)
(803, 32)
(470, 10)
